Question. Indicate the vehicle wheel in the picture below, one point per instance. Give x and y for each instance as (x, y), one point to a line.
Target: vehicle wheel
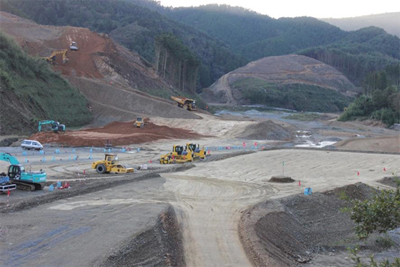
(101, 168)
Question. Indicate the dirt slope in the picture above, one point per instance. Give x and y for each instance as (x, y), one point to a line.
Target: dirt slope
(288, 69)
(105, 72)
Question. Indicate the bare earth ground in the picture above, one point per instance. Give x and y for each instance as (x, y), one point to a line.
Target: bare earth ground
(117, 220)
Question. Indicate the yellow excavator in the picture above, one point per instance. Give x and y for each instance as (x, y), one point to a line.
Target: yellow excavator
(183, 102)
(179, 154)
(197, 153)
(110, 164)
(52, 58)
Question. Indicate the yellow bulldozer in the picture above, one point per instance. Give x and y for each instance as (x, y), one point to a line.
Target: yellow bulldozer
(179, 154)
(139, 123)
(110, 164)
(52, 58)
(183, 102)
(197, 153)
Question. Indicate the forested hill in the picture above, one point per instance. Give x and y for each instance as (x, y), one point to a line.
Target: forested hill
(222, 37)
(254, 36)
(134, 26)
(390, 22)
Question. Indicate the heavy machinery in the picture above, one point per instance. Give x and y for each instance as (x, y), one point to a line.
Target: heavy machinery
(55, 126)
(5, 184)
(73, 46)
(52, 58)
(24, 180)
(179, 154)
(197, 153)
(110, 164)
(139, 123)
(183, 102)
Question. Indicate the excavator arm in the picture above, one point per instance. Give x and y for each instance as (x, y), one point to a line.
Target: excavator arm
(7, 157)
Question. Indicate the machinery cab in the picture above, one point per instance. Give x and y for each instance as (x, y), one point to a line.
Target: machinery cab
(179, 150)
(139, 123)
(191, 104)
(196, 151)
(73, 46)
(14, 171)
(110, 158)
(56, 126)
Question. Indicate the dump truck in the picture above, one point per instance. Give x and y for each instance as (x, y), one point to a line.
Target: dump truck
(24, 180)
(183, 102)
(110, 164)
(197, 153)
(179, 154)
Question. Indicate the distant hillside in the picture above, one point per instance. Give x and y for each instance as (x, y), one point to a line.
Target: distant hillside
(294, 82)
(133, 26)
(30, 91)
(390, 22)
(254, 36)
(118, 84)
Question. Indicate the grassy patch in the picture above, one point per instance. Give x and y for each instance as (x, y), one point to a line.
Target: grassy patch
(304, 116)
(299, 97)
(33, 90)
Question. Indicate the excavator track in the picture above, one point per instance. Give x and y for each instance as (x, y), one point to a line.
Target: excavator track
(28, 186)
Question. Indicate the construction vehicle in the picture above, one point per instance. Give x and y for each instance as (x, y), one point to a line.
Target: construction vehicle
(5, 184)
(55, 126)
(24, 180)
(139, 123)
(73, 46)
(110, 164)
(183, 102)
(179, 154)
(197, 153)
(52, 58)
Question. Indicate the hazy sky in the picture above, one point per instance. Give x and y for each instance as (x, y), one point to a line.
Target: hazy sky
(296, 8)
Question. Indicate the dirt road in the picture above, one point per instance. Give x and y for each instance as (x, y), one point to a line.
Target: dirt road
(212, 198)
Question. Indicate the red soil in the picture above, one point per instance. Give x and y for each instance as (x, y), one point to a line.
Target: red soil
(118, 133)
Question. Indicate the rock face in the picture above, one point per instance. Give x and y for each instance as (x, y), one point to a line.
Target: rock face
(279, 71)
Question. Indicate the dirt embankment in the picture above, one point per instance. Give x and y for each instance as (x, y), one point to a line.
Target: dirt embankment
(267, 130)
(160, 245)
(389, 144)
(116, 133)
(299, 228)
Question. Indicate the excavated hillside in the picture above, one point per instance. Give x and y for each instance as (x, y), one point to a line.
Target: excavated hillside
(113, 79)
(282, 81)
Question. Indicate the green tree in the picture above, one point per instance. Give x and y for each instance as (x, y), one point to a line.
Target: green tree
(379, 214)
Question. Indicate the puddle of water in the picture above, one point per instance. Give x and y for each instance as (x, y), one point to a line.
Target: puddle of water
(316, 145)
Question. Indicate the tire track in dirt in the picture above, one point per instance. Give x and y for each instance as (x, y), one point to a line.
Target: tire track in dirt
(211, 209)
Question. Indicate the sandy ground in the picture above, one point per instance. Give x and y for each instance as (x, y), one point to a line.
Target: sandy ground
(208, 199)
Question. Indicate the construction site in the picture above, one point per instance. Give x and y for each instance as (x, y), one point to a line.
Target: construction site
(158, 182)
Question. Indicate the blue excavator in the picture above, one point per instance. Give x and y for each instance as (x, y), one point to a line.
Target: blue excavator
(55, 126)
(24, 180)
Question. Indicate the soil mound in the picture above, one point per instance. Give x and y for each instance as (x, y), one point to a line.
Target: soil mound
(281, 179)
(161, 245)
(390, 181)
(293, 230)
(117, 133)
(266, 130)
(288, 69)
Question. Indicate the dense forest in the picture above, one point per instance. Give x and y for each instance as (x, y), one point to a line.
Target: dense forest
(43, 93)
(222, 38)
(381, 97)
(132, 25)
